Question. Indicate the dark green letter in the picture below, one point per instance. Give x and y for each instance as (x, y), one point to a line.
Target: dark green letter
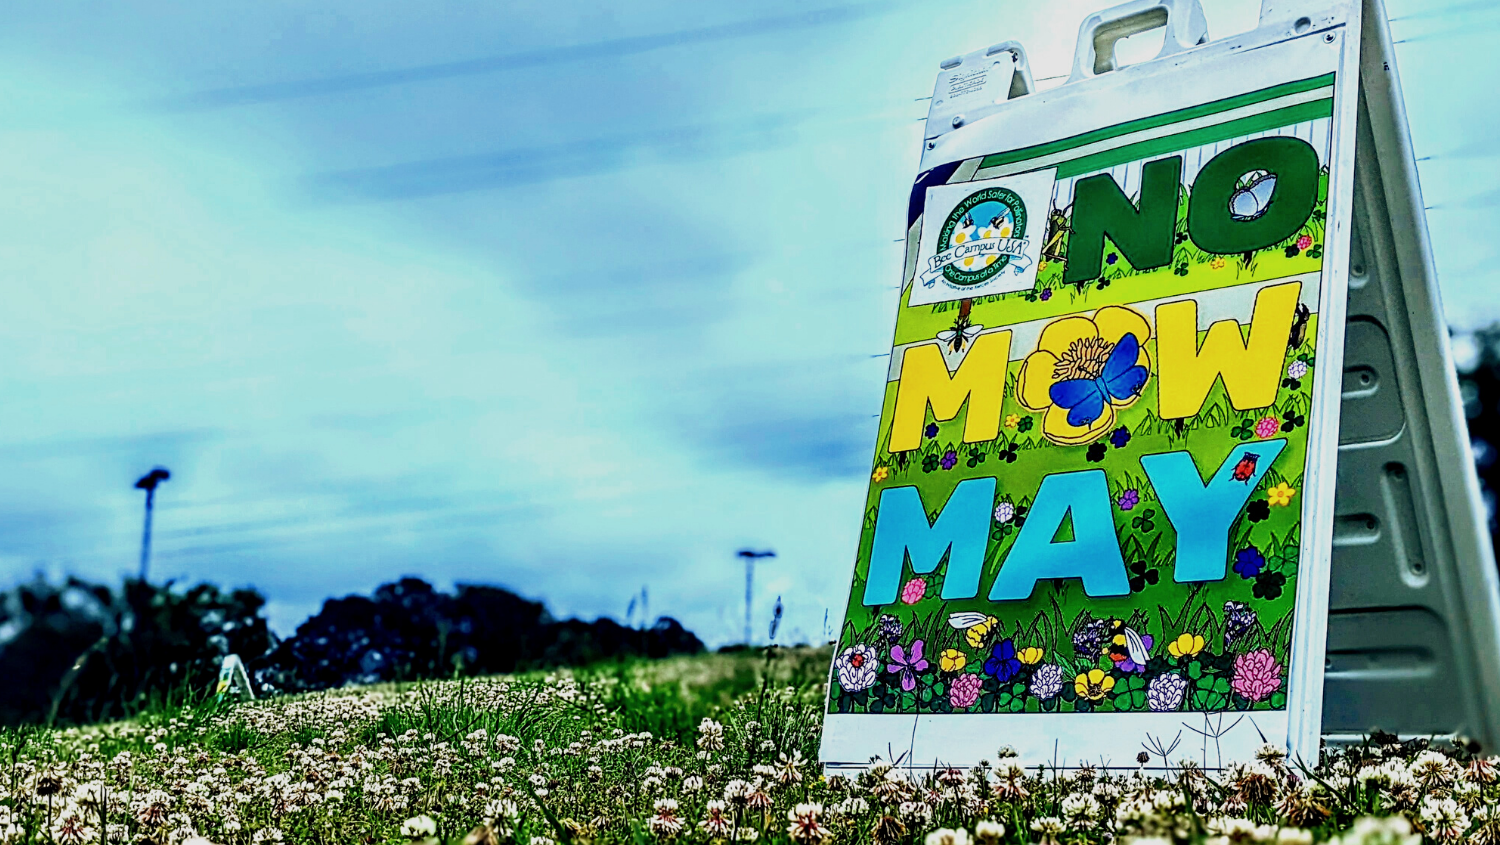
(1212, 225)
(1144, 235)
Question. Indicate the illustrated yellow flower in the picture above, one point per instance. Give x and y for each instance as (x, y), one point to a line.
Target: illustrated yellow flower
(1031, 655)
(880, 474)
(1074, 348)
(1186, 645)
(1011, 420)
(952, 660)
(1216, 264)
(1281, 494)
(1093, 685)
(1041, 265)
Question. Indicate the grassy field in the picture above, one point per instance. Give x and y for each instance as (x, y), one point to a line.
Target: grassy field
(712, 748)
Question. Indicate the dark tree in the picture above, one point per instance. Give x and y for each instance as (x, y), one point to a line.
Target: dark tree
(81, 652)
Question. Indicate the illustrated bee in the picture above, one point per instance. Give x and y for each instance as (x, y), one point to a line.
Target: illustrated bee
(977, 627)
(1126, 644)
(1298, 335)
(963, 332)
(1245, 469)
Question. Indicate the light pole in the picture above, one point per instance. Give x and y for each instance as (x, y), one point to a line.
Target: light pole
(751, 557)
(148, 483)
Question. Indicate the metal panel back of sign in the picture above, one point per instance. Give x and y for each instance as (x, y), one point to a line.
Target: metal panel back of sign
(1101, 505)
(1414, 630)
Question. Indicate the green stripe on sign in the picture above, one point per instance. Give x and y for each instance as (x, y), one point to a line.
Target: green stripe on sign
(1197, 137)
(1097, 135)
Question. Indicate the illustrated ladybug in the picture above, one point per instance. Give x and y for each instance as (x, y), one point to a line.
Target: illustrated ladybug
(1245, 469)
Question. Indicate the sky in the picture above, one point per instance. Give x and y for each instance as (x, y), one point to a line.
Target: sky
(575, 298)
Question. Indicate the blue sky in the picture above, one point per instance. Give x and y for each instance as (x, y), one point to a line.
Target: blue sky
(443, 290)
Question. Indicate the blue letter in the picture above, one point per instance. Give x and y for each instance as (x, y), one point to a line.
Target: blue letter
(962, 531)
(1093, 554)
(1203, 514)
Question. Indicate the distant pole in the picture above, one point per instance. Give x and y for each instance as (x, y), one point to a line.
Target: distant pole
(148, 483)
(751, 557)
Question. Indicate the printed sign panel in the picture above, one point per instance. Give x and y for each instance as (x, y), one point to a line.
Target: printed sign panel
(1110, 390)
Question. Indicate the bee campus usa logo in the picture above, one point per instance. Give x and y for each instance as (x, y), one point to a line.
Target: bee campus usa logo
(981, 238)
(984, 234)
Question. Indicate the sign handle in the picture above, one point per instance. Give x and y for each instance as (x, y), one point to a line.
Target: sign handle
(1095, 54)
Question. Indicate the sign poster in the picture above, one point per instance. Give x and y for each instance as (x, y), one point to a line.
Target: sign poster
(1095, 524)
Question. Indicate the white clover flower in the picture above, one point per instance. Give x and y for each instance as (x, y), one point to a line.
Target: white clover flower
(665, 823)
(806, 826)
(419, 827)
(1370, 830)
(857, 667)
(915, 813)
(989, 832)
(948, 836)
(717, 820)
(710, 735)
(1444, 819)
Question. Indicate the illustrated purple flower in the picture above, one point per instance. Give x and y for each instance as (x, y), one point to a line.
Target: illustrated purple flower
(950, 458)
(1165, 692)
(1089, 641)
(1003, 664)
(1248, 562)
(1129, 499)
(965, 691)
(1046, 294)
(930, 430)
(1129, 665)
(1047, 681)
(907, 665)
(890, 628)
(1119, 437)
(1005, 512)
(856, 667)
(1238, 620)
(1297, 369)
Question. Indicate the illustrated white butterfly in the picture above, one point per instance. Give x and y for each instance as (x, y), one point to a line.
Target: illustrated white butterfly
(1253, 196)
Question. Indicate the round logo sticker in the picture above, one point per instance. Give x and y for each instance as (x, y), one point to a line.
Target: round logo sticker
(993, 214)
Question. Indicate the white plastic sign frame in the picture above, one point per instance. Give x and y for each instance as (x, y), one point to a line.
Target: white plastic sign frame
(890, 699)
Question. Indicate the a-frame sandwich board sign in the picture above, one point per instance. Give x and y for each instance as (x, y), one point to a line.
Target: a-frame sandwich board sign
(1414, 609)
(1101, 509)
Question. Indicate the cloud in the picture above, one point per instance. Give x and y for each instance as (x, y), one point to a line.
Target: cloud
(241, 95)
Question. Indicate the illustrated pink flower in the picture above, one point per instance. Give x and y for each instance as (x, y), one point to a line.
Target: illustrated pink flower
(1256, 675)
(1304, 242)
(914, 590)
(965, 691)
(1267, 427)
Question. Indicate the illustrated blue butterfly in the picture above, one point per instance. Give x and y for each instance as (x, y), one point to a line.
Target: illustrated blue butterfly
(1121, 379)
(1251, 200)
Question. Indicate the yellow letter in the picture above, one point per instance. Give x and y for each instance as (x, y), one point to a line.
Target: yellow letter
(924, 379)
(1251, 368)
